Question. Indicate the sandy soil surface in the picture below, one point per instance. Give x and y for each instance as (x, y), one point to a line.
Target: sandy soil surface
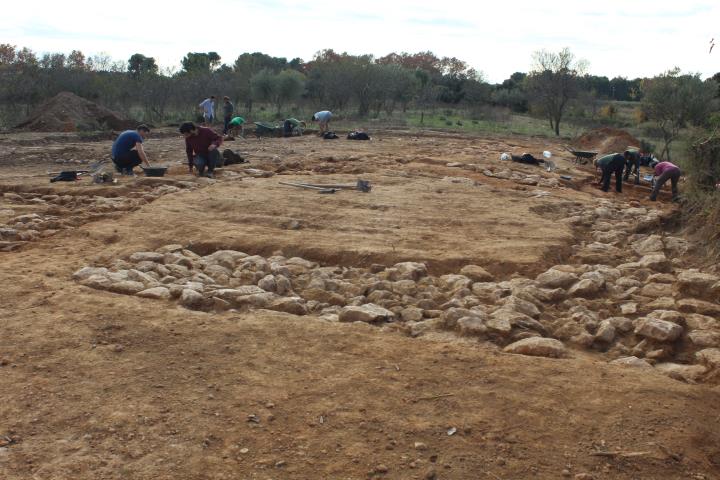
(103, 385)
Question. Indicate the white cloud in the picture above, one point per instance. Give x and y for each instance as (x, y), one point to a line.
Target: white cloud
(629, 38)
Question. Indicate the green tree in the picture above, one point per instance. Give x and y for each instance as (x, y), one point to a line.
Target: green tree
(139, 65)
(673, 101)
(553, 83)
(195, 62)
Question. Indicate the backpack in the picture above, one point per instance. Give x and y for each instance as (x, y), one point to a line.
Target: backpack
(358, 136)
(330, 136)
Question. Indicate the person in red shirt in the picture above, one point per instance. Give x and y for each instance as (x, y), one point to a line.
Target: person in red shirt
(665, 171)
(201, 145)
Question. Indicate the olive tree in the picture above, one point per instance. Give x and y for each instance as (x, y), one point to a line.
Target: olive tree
(673, 101)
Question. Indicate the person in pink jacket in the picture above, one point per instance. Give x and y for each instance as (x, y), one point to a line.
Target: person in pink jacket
(665, 171)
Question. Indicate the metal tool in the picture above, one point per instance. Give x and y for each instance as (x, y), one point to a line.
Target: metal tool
(310, 187)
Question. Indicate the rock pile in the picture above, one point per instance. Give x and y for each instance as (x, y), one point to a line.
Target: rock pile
(625, 294)
(60, 212)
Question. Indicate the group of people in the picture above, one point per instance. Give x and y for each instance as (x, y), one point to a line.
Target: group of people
(202, 143)
(617, 163)
(234, 124)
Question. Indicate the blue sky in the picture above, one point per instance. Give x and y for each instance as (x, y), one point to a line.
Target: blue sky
(628, 38)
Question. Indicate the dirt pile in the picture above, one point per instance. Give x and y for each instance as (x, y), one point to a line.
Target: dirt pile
(66, 112)
(606, 140)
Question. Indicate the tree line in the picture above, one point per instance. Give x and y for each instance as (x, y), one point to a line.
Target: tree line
(361, 85)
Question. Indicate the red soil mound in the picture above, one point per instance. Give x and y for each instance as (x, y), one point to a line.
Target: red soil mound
(66, 112)
(606, 140)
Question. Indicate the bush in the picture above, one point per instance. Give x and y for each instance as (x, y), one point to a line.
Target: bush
(701, 205)
(608, 111)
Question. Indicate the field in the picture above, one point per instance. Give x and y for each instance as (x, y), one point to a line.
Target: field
(185, 327)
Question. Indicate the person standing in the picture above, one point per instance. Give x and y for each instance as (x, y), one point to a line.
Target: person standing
(201, 146)
(208, 108)
(323, 119)
(127, 150)
(665, 171)
(632, 161)
(228, 110)
(609, 164)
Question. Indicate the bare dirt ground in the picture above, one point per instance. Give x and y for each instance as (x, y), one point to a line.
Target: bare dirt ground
(102, 385)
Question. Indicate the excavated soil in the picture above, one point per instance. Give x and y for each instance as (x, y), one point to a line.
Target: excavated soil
(67, 112)
(606, 140)
(103, 385)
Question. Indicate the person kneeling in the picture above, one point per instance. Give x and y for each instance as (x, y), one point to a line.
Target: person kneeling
(127, 150)
(201, 145)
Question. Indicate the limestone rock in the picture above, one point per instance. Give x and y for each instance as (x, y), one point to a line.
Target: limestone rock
(556, 279)
(710, 357)
(369, 313)
(519, 305)
(538, 346)
(190, 298)
(454, 282)
(657, 262)
(705, 338)
(605, 333)
(157, 293)
(696, 321)
(660, 330)
(692, 305)
(657, 290)
(98, 282)
(662, 303)
(587, 287)
(155, 257)
(628, 308)
(621, 324)
(127, 287)
(677, 371)
(476, 273)
(695, 283)
(632, 361)
(268, 283)
(411, 314)
(500, 322)
(410, 270)
(293, 305)
(87, 272)
(651, 244)
(472, 326)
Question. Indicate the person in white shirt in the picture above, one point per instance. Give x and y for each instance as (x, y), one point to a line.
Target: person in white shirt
(208, 108)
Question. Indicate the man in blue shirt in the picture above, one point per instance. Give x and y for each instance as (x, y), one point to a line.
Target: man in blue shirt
(127, 150)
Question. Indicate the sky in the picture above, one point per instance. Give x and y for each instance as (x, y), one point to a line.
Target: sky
(630, 38)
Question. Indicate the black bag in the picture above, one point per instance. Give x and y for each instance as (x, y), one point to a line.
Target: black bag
(358, 136)
(231, 158)
(330, 136)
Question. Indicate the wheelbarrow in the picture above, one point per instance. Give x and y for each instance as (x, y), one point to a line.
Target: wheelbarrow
(582, 157)
(264, 129)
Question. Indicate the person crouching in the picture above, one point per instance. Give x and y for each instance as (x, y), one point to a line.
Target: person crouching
(665, 171)
(201, 145)
(609, 164)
